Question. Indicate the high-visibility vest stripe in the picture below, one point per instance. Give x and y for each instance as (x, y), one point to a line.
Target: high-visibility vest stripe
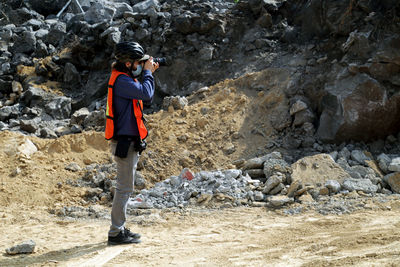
(137, 110)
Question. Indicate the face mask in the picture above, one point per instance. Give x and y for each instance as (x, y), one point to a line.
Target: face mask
(138, 71)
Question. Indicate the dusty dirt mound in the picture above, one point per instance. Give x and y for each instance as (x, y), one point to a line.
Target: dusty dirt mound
(230, 120)
(39, 177)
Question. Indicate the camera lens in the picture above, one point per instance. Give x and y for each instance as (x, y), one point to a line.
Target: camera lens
(160, 60)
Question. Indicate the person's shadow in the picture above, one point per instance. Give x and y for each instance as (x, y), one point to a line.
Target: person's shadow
(57, 256)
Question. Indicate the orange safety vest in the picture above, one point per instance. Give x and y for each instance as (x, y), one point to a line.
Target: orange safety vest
(137, 109)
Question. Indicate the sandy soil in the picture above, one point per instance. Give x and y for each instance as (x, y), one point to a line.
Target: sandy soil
(238, 237)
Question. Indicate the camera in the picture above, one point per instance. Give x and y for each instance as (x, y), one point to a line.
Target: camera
(160, 60)
(140, 145)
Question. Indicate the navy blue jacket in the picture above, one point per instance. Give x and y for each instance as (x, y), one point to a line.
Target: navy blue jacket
(125, 90)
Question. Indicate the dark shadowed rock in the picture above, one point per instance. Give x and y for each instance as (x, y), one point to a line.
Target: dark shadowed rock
(57, 33)
(353, 108)
(71, 74)
(24, 43)
(29, 125)
(95, 87)
(33, 96)
(46, 7)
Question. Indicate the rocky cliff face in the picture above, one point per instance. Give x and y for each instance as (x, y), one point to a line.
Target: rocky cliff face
(343, 58)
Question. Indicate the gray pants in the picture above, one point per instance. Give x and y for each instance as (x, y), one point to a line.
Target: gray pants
(126, 169)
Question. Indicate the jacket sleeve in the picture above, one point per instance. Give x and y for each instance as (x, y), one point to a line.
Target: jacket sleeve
(129, 89)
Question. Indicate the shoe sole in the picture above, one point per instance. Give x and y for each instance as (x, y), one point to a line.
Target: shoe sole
(135, 241)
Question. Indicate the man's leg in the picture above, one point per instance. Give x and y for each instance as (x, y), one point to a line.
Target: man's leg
(126, 168)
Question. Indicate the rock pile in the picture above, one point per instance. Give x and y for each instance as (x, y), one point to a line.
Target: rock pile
(264, 181)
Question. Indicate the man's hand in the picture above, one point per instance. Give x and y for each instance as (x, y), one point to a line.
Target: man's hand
(150, 65)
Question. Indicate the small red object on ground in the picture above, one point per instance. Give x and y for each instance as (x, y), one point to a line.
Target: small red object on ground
(186, 174)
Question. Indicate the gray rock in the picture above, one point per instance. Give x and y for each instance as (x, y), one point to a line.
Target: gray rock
(24, 43)
(121, 8)
(255, 173)
(277, 189)
(178, 102)
(274, 163)
(232, 174)
(59, 107)
(23, 248)
(41, 34)
(73, 166)
(9, 112)
(303, 116)
(98, 12)
(279, 201)
(384, 162)
(258, 196)
(76, 128)
(394, 165)
(334, 155)
(344, 153)
(175, 180)
(71, 74)
(280, 118)
(34, 23)
(271, 182)
(79, 116)
(265, 20)
(333, 186)
(144, 6)
(30, 126)
(57, 33)
(41, 49)
(34, 96)
(364, 185)
(62, 130)
(393, 180)
(47, 133)
(359, 156)
(143, 34)
(3, 126)
(95, 118)
(140, 181)
(206, 53)
(297, 107)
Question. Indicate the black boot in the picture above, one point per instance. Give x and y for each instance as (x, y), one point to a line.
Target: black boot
(133, 235)
(122, 238)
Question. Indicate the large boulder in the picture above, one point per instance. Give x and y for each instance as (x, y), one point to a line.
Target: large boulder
(353, 108)
(317, 170)
(385, 65)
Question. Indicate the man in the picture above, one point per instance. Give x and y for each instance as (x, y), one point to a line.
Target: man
(125, 128)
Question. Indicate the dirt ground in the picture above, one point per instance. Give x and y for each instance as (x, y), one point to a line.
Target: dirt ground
(231, 237)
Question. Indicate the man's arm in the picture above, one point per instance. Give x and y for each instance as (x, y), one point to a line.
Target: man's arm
(129, 89)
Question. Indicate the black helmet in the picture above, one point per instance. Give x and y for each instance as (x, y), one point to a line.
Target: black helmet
(129, 51)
